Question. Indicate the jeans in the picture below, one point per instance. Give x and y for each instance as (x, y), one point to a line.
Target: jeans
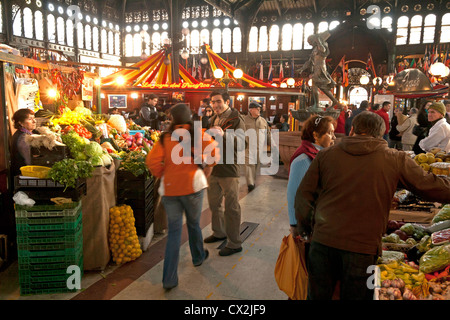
(175, 206)
(327, 265)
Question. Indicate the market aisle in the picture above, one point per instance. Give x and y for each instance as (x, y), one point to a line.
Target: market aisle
(246, 275)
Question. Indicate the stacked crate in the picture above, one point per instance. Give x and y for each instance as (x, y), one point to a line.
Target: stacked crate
(138, 193)
(49, 240)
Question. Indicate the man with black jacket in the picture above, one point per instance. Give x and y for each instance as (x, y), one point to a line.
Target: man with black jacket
(226, 124)
(149, 114)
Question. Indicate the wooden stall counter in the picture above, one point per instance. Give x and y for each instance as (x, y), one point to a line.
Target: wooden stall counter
(421, 217)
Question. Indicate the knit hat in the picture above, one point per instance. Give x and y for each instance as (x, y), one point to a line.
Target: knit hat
(181, 114)
(254, 105)
(439, 107)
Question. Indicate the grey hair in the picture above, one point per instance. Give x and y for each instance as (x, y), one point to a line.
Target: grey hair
(413, 110)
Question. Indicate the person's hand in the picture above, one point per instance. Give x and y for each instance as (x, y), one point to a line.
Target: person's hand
(293, 231)
(216, 130)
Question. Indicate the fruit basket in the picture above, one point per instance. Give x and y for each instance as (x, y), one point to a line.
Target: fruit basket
(35, 171)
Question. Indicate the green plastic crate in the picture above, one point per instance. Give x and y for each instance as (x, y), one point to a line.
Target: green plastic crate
(55, 243)
(71, 232)
(64, 208)
(51, 253)
(47, 224)
(49, 263)
(51, 270)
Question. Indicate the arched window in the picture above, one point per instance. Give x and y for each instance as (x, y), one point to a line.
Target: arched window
(263, 39)
(17, 23)
(195, 41)
(226, 34)
(111, 42)
(128, 45)
(1, 19)
(88, 37)
(28, 26)
(253, 39)
(309, 30)
(333, 24)
(416, 29)
(386, 23)
(274, 37)
(237, 40)
(80, 35)
(402, 30)
(216, 40)
(137, 45)
(60, 30)
(204, 36)
(445, 28)
(117, 43)
(95, 39)
(156, 41)
(69, 32)
(164, 37)
(38, 25)
(286, 37)
(51, 28)
(104, 41)
(297, 36)
(429, 28)
(323, 26)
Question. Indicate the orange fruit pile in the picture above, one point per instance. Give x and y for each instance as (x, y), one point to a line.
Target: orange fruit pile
(123, 240)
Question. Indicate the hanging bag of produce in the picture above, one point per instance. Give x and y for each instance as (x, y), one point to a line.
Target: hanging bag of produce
(290, 269)
(435, 259)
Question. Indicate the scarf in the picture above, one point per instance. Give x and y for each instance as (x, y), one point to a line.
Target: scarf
(307, 148)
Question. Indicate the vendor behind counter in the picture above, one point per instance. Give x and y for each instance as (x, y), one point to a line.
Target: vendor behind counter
(25, 123)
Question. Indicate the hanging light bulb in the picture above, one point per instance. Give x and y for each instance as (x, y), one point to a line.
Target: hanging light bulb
(166, 61)
(364, 79)
(290, 82)
(238, 73)
(120, 80)
(204, 60)
(52, 93)
(283, 85)
(438, 69)
(218, 73)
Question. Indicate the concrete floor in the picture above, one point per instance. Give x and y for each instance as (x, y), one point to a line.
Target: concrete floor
(248, 275)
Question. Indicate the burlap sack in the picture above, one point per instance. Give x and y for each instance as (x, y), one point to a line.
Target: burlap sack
(100, 196)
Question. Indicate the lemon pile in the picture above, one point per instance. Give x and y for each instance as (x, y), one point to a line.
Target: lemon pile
(123, 240)
(426, 159)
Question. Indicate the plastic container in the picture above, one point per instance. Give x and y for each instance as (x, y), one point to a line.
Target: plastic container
(35, 171)
(133, 132)
(441, 168)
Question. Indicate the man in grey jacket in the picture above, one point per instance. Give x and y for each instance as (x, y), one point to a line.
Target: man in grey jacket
(344, 213)
(149, 114)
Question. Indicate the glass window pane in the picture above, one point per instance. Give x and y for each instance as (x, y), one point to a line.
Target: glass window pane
(128, 45)
(95, 38)
(28, 26)
(38, 25)
(1, 19)
(216, 40)
(147, 43)
(253, 40)
(104, 40)
(80, 33)
(402, 30)
(111, 42)
(445, 28)
(61, 30)
(156, 42)
(429, 29)
(226, 40)
(237, 40)
(386, 23)
(297, 36)
(195, 41)
(286, 37)
(274, 38)
(17, 23)
(69, 32)
(137, 45)
(88, 37)
(204, 36)
(51, 28)
(334, 24)
(164, 37)
(323, 26)
(263, 39)
(416, 29)
(309, 30)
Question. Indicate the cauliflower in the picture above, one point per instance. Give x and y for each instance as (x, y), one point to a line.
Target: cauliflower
(93, 149)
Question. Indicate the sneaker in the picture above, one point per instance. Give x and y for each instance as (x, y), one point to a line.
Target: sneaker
(225, 251)
(212, 239)
(206, 257)
(251, 187)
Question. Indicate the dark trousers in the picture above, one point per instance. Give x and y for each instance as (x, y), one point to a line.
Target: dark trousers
(327, 265)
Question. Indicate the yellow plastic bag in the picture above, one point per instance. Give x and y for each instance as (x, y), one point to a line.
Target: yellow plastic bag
(290, 269)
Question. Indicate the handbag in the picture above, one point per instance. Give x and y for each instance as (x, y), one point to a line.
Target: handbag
(290, 269)
(418, 130)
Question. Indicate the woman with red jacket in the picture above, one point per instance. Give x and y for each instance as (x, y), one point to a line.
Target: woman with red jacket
(183, 167)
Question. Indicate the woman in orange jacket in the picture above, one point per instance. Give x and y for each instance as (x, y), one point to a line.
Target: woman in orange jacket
(183, 167)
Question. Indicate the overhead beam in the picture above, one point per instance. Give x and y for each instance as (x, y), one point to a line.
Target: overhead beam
(277, 5)
(223, 6)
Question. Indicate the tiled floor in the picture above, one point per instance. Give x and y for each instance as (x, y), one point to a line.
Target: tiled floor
(248, 275)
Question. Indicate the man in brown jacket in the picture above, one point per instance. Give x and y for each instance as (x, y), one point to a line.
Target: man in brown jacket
(343, 203)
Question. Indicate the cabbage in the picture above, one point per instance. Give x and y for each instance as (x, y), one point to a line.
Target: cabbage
(93, 149)
(106, 158)
(97, 161)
